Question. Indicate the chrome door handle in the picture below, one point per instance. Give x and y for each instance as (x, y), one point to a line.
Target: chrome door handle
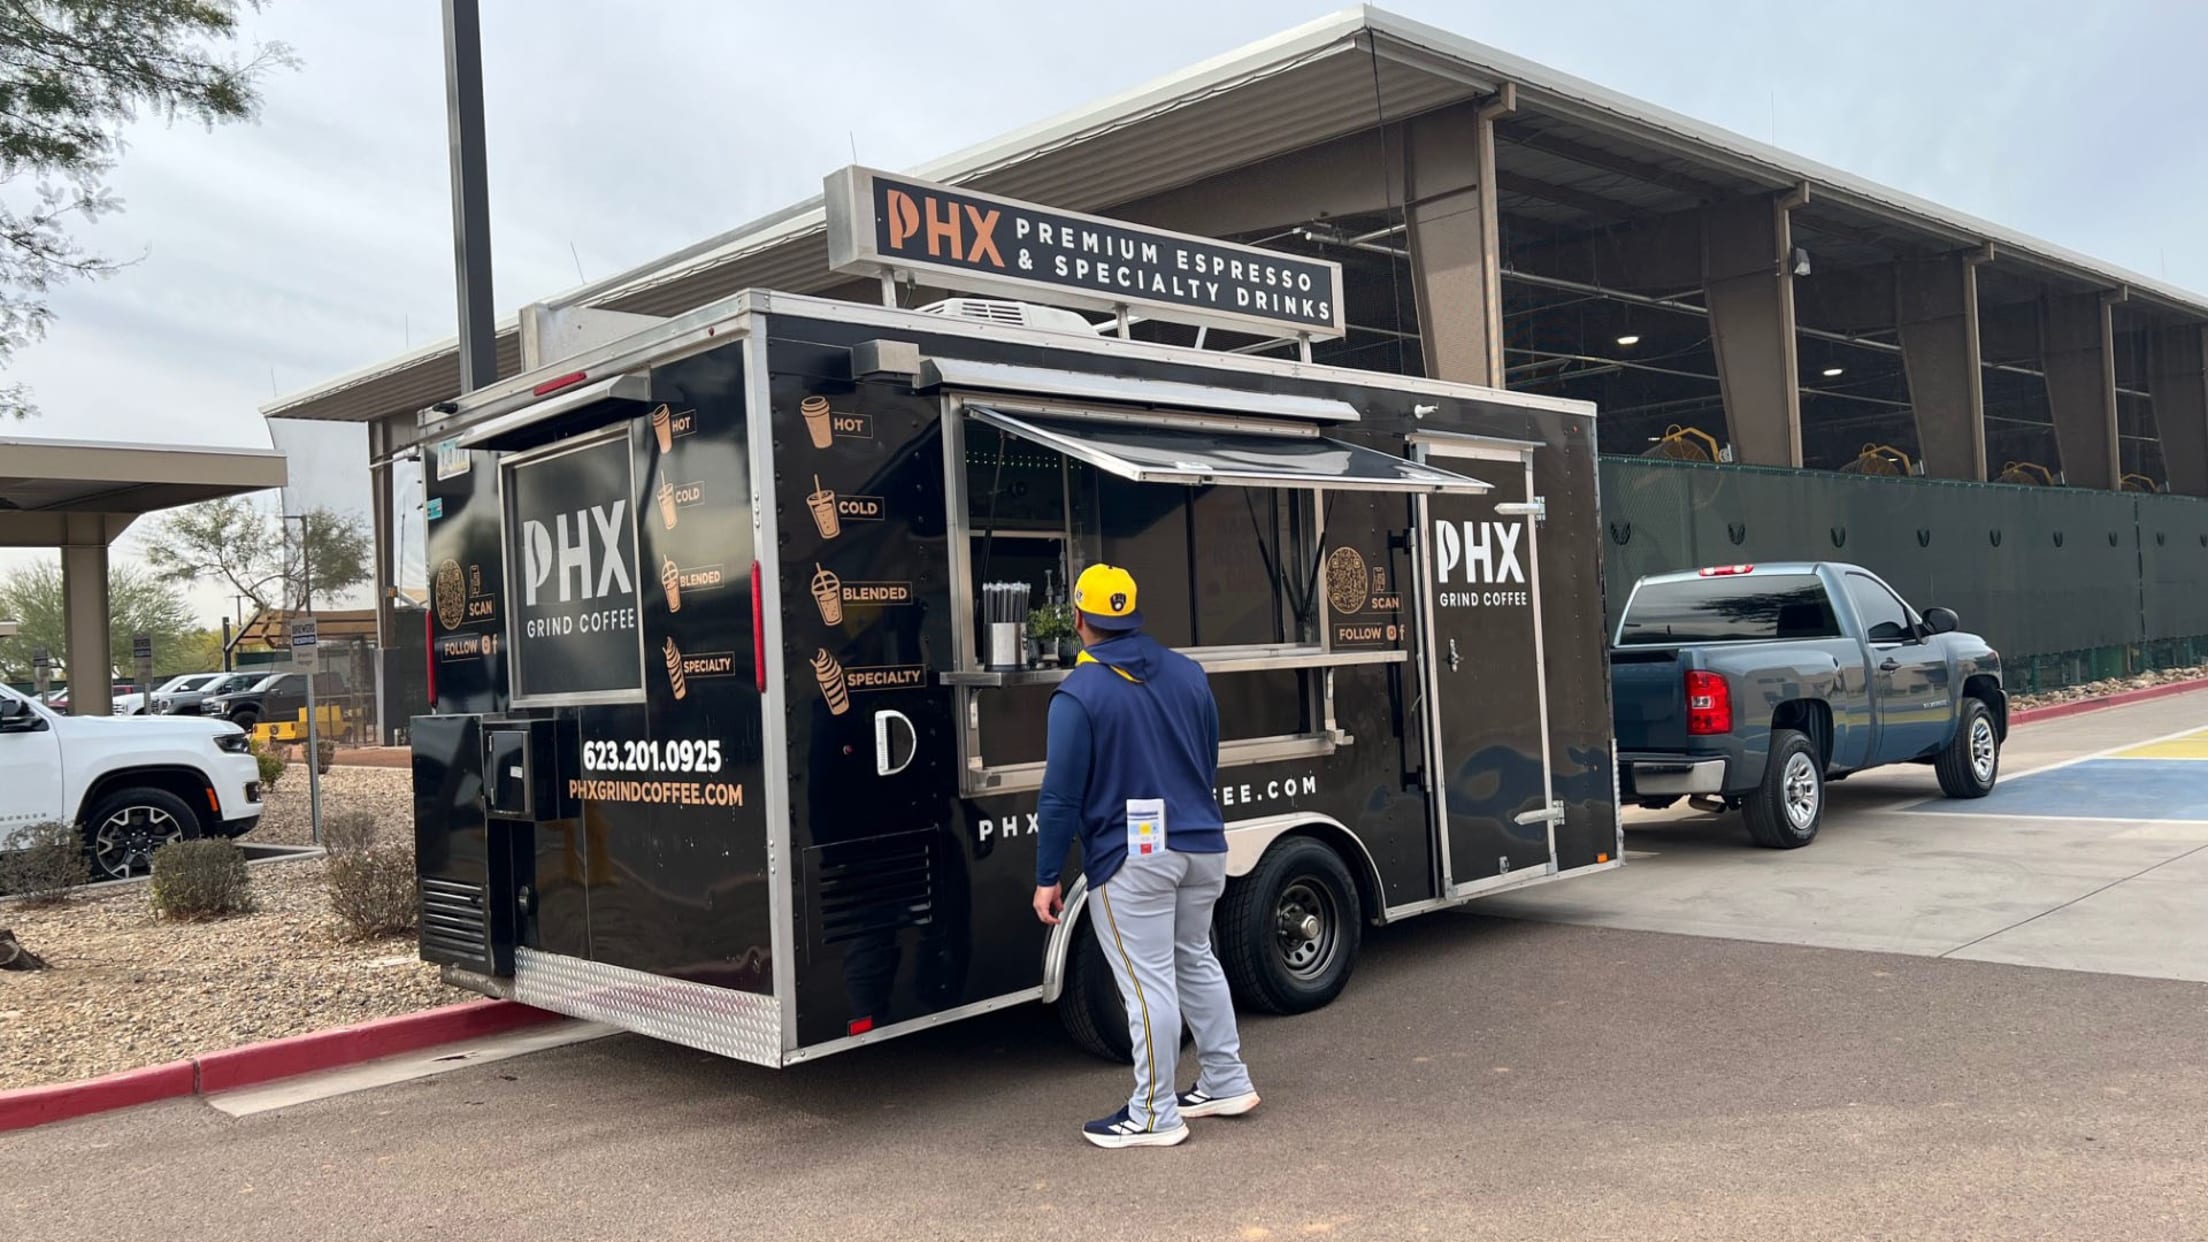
(1454, 658)
(1889, 665)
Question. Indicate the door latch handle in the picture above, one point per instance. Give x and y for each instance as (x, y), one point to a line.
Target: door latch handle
(1889, 665)
(1454, 658)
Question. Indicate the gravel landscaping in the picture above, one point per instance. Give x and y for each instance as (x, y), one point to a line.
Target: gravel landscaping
(2113, 685)
(125, 990)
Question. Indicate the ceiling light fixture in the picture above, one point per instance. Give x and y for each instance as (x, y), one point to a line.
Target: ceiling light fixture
(1629, 339)
(1832, 371)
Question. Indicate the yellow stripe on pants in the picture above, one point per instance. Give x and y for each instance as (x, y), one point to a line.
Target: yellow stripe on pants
(1149, 1044)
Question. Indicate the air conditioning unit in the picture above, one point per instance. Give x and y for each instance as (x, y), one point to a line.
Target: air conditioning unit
(1011, 314)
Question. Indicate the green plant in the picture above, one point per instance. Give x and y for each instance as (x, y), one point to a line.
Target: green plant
(372, 891)
(1050, 622)
(43, 863)
(346, 832)
(202, 879)
(272, 766)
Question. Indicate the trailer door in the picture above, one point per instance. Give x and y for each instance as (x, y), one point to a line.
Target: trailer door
(1486, 704)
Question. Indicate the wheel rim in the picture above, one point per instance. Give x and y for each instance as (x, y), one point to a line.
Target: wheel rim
(124, 842)
(1307, 928)
(1983, 753)
(1799, 781)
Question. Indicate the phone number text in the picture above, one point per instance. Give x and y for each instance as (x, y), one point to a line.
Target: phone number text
(652, 756)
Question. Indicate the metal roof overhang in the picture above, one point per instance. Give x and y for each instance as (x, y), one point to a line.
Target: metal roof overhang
(1317, 82)
(55, 492)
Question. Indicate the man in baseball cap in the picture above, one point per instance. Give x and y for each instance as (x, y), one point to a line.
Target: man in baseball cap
(1132, 753)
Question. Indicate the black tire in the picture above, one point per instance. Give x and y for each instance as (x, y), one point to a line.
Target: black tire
(1271, 965)
(1785, 811)
(245, 718)
(127, 826)
(1089, 1006)
(1971, 762)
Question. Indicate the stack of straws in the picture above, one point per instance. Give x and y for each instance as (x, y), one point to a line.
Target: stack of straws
(1004, 621)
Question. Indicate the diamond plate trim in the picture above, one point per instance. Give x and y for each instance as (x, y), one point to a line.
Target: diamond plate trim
(743, 1025)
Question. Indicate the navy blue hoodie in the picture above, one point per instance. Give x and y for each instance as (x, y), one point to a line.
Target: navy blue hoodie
(1135, 719)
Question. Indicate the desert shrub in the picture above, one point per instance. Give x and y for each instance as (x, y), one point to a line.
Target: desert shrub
(272, 767)
(46, 861)
(200, 880)
(346, 832)
(372, 890)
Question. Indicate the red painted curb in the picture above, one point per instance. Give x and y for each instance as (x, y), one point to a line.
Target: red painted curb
(35, 1106)
(348, 1045)
(257, 1063)
(2033, 715)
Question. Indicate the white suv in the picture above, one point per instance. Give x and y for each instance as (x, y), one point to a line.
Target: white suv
(131, 785)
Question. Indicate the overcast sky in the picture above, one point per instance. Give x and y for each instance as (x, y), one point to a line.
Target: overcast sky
(317, 241)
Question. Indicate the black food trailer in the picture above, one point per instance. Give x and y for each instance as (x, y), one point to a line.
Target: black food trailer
(730, 749)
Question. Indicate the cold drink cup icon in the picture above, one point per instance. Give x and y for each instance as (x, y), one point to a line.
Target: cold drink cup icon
(823, 504)
(663, 428)
(670, 579)
(828, 595)
(675, 678)
(817, 422)
(830, 676)
(667, 505)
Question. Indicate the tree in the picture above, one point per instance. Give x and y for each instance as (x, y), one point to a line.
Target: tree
(140, 601)
(72, 74)
(261, 556)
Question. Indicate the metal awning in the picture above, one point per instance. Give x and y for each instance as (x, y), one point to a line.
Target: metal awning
(55, 492)
(1088, 386)
(530, 423)
(1225, 458)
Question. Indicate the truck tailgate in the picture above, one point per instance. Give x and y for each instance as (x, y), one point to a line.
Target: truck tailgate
(1648, 690)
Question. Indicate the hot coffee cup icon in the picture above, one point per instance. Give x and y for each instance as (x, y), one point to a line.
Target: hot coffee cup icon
(663, 428)
(667, 505)
(675, 678)
(823, 504)
(828, 595)
(818, 423)
(670, 580)
(830, 676)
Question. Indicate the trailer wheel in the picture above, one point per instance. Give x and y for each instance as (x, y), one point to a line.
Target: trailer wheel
(1784, 812)
(1089, 1006)
(1972, 759)
(1288, 932)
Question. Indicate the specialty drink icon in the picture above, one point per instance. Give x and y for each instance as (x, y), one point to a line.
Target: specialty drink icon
(667, 505)
(674, 669)
(827, 595)
(823, 504)
(670, 579)
(818, 423)
(830, 676)
(663, 429)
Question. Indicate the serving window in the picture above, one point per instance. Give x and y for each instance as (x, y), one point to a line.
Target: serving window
(1222, 522)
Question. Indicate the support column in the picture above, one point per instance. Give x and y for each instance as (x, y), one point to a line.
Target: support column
(2077, 350)
(379, 492)
(2178, 378)
(1449, 208)
(1749, 288)
(84, 609)
(1936, 301)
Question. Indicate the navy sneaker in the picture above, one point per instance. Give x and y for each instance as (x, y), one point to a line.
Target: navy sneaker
(1195, 1103)
(1120, 1130)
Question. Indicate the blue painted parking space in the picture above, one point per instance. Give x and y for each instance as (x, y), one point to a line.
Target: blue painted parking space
(2109, 788)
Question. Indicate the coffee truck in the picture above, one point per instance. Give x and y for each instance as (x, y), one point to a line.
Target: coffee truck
(727, 750)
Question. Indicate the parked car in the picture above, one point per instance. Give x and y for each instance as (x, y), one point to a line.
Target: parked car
(186, 701)
(1747, 687)
(278, 696)
(130, 787)
(138, 703)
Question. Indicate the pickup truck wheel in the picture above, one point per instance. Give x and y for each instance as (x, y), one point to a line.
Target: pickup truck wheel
(1288, 932)
(245, 718)
(123, 831)
(1783, 813)
(1972, 760)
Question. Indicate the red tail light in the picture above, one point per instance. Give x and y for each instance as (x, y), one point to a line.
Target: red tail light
(758, 630)
(1727, 571)
(1709, 704)
(568, 380)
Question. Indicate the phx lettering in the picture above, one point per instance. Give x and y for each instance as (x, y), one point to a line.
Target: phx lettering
(958, 231)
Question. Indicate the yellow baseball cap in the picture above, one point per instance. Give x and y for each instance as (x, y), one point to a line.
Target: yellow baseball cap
(1105, 595)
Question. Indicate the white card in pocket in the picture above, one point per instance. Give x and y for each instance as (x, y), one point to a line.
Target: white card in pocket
(1145, 827)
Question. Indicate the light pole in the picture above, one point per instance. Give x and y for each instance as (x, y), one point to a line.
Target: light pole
(314, 732)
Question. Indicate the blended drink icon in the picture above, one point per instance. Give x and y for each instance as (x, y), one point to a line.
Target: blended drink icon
(818, 423)
(823, 504)
(830, 676)
(674, 669)
(670, 578)
(667, 505)
(663, 428)
(828, 595)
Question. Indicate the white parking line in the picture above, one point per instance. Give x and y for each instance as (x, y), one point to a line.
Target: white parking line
(2103, 754)
(246, 1101)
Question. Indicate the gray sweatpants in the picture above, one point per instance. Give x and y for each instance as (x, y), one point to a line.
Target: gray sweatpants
(1154, 922)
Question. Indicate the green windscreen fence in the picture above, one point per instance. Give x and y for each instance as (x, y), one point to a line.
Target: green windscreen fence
(2069, 585)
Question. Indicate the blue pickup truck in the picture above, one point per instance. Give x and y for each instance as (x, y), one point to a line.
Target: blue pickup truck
(1748, 687)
